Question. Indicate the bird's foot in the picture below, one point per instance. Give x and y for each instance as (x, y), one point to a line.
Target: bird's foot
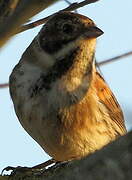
(16, 170)
(29, 170)
(60, 164)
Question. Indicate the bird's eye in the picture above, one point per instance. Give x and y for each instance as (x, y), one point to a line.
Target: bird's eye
(67, 28)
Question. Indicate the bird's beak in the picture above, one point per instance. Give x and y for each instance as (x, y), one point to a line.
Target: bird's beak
(93, 32)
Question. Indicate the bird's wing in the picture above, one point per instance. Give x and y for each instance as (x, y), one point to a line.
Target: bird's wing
(108, 99)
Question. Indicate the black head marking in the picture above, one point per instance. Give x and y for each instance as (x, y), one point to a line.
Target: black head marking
(61, 29)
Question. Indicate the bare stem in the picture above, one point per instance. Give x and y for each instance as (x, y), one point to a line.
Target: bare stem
(68, 2)
(107, 61)
(76, 5)
(5, 85)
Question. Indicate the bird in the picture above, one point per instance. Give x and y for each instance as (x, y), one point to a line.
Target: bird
(59, 97)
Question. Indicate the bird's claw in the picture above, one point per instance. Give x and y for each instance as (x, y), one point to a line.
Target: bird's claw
(33, 170)
(15, 170)
(60, 164)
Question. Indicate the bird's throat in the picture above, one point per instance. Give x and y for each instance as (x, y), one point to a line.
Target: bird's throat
(79, 75)
(73, 71)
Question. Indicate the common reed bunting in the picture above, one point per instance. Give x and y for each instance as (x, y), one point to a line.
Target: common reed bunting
(59, 97)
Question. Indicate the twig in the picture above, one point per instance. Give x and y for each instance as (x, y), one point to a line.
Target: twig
(32, 25)
(68, 2)
(5, 85)
(107, 61)
(71, 7)
(76, 5)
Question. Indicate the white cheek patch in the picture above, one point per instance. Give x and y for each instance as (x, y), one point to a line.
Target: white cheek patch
(44, 58)
(65, 50)
(47, 60)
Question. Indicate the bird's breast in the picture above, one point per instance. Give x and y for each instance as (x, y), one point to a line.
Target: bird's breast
(67, 123)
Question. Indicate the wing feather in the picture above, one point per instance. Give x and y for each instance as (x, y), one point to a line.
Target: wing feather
(108, 99)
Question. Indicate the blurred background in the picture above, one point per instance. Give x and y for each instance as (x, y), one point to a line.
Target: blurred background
(114, 18)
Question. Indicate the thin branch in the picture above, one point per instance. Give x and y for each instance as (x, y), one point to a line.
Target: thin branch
(5, 85)
(76, 5)
(32, 25)
(68, 2)
(71, 7)
(107, 61)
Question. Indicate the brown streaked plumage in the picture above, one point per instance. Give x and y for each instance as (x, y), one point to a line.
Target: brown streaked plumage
(59, 97)
(108, 99)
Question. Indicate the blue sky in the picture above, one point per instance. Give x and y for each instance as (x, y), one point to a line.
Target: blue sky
(114, 18)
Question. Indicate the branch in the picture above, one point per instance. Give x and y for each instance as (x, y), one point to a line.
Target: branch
(71, 7)
(5, 85)
(23, 11)
(110, 163)
(4, 177)
(68, 2)
(76, 5)
(107, 61)
(32, 25)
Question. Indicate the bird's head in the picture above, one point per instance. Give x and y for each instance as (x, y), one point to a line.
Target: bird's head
(64, 49)
(65, 28)
(64, 36)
